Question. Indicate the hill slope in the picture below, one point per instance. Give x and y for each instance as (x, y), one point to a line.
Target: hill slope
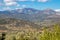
(15, 24)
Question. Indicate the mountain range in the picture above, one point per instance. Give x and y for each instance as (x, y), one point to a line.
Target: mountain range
(22, 19)
(32, 15)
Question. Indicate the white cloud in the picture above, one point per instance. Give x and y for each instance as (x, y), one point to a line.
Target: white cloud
(10, 2)
(21, 0)
(34, 0)
(25, 0)
(43, 0)
(57, 10)
(14, 2)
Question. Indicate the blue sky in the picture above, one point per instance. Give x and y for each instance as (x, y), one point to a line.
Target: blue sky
(36, 4)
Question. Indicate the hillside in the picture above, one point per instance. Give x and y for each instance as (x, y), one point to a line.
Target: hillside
(15, 25)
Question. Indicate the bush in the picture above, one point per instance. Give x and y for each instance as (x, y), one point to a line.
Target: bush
(46, 34)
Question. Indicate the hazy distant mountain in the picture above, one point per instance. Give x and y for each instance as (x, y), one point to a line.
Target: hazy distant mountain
(30, 14)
